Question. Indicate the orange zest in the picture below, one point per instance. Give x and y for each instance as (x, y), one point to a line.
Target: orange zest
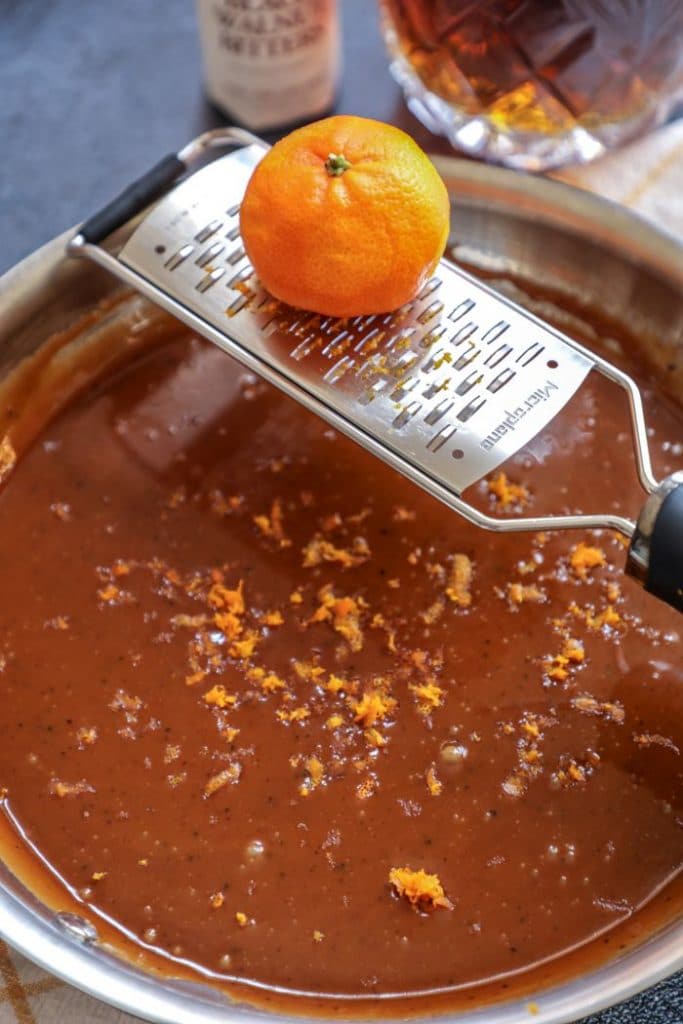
(422, 890)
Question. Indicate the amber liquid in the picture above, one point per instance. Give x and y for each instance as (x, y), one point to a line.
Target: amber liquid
(543, 66)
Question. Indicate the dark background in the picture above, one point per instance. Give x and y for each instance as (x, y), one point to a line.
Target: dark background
(93, 92)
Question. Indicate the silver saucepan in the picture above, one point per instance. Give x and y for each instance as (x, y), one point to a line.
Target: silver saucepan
(592, 257)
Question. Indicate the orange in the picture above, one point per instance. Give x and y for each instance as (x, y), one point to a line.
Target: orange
(345, 216)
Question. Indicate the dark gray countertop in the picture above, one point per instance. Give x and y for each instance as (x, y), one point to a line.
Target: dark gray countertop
(93, 93)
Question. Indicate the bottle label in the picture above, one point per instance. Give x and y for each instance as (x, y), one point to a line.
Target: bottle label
(270, 62)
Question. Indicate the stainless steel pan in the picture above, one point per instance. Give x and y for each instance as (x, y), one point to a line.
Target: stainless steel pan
(591, 256)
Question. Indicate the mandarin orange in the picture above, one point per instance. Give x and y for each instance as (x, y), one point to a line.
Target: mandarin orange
(345, 216)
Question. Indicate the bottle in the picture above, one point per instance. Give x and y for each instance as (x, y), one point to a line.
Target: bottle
(270, 63)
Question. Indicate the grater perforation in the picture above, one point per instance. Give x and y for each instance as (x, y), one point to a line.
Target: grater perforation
(444, 389)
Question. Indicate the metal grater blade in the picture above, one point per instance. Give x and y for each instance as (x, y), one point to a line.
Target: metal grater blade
(453, 383)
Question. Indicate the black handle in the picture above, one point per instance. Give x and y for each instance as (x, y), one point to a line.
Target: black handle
(133, 199)
(665, 571)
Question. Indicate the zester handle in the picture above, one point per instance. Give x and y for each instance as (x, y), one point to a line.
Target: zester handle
(133, 199)
(656, 553)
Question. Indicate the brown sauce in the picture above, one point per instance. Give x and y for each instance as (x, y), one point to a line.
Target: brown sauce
(247, 671)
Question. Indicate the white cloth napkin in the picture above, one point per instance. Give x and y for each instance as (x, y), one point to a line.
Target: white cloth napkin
(646, 176)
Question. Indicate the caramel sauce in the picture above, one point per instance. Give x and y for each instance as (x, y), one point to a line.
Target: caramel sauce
(248, 671)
